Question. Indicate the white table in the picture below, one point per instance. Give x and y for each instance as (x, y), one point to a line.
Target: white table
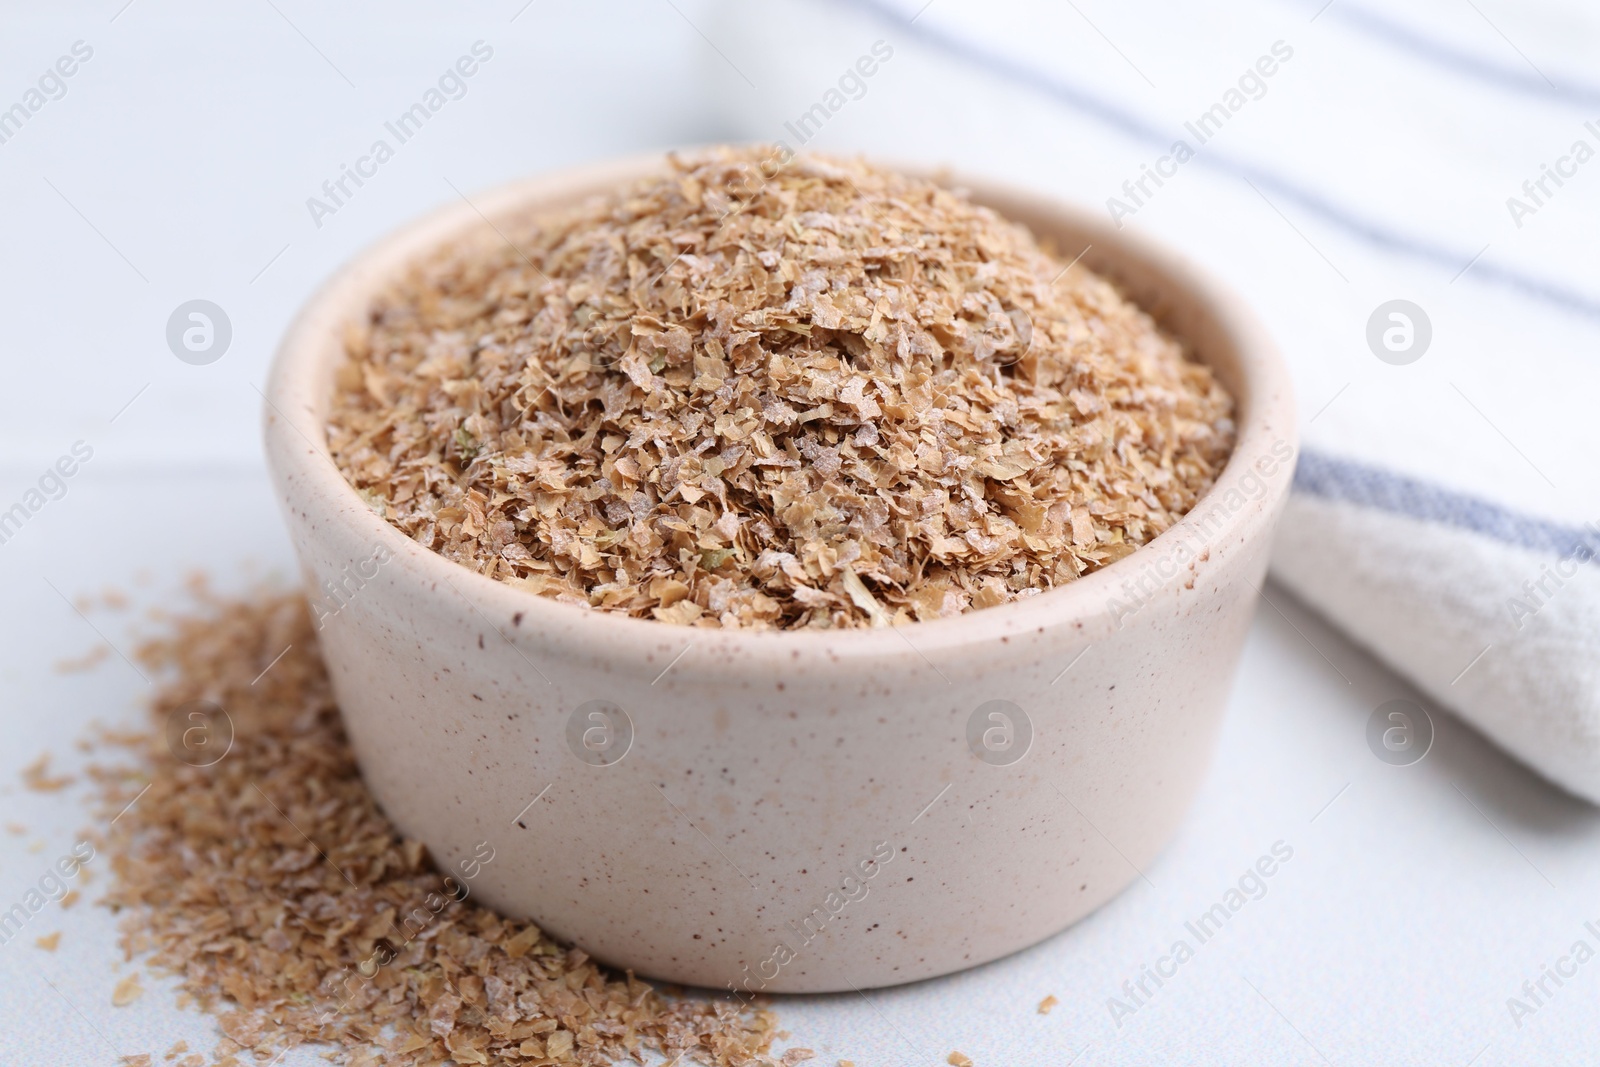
(177, 167)
(1418, 899)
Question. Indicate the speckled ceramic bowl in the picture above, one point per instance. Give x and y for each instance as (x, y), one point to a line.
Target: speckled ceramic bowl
(788, 811)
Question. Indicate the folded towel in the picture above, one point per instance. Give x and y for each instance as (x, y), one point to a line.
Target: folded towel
(1490, 612)
(1410, 207)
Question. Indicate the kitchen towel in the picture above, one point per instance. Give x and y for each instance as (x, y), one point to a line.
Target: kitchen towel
(1410, 200)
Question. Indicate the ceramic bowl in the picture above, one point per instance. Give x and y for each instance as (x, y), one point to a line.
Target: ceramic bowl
(789, 811)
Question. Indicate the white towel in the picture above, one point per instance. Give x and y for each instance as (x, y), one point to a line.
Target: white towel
(1446, 511)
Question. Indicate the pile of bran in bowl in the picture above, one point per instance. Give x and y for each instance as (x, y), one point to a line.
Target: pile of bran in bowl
(735, 394)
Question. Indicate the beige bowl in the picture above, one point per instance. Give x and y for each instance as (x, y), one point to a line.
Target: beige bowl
(791, 811)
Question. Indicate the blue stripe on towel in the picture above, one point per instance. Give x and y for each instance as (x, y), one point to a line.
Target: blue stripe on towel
(1321, 475)
(1137, 129)
(1464, 63)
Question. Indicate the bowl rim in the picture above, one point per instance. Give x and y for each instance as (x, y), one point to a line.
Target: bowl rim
(1264, 416)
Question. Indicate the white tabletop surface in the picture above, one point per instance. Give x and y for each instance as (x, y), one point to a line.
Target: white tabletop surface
(1417, 900)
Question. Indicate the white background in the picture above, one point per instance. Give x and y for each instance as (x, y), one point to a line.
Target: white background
(177, 167)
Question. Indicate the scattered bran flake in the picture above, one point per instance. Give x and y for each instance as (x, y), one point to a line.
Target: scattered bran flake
(16, 828)
(217, 888)
(36, 776)
(179, 1048)
(93, 658)
(1047, 1003)
(68, 899)
(127, 991)
(141, 1059)
(49, 941)
(958, 1059)
(749, 392)
(796, 1055)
